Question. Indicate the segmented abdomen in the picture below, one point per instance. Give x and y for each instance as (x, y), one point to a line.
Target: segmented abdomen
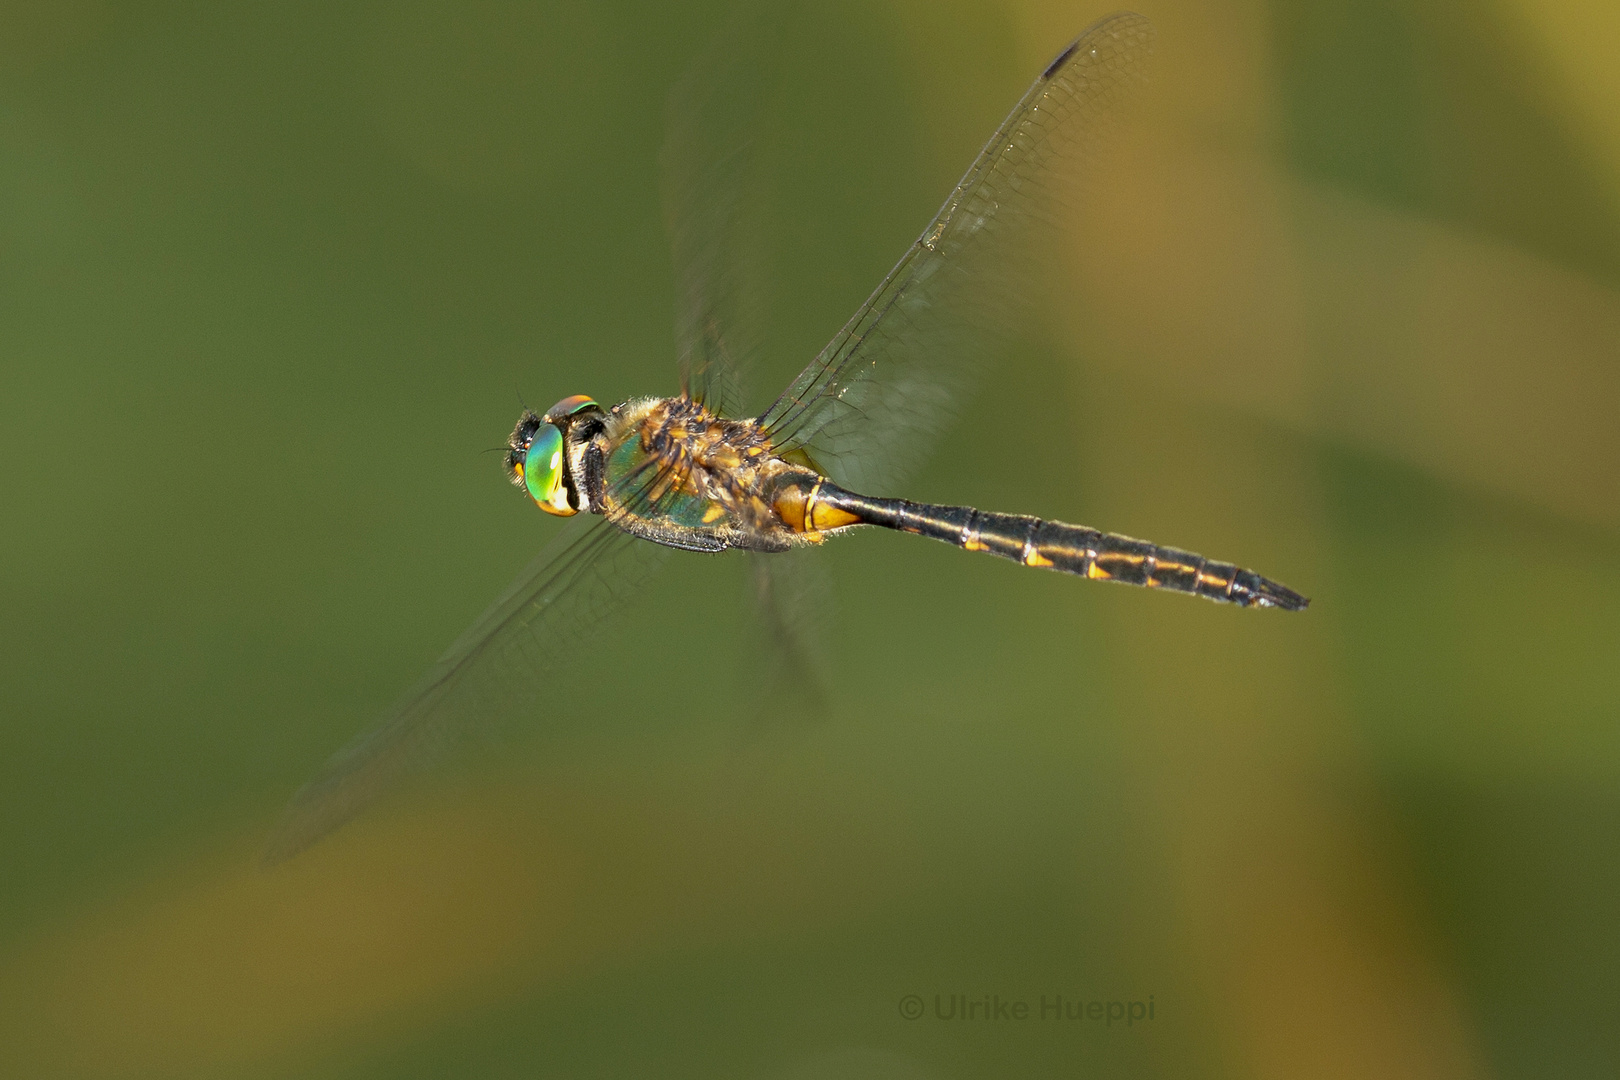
(1073, 549)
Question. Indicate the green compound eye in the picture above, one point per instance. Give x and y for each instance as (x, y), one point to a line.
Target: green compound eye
(543, 471)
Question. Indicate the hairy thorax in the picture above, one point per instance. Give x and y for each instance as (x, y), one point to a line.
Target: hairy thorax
(677, 471)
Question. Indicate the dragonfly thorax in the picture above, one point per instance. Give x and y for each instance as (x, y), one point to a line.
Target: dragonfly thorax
(671, 471)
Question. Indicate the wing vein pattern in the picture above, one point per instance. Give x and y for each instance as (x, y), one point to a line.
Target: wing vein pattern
(493, 671)
(869, 407)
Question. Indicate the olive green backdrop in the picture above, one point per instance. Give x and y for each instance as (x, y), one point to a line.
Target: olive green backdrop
(272, 279)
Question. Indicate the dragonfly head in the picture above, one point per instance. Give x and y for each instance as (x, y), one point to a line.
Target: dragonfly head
(538, 458)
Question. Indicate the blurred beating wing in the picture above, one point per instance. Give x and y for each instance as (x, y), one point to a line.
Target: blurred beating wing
(500, 666)
(868, 408)
(711, 128)
(711, 124)
(793, 599)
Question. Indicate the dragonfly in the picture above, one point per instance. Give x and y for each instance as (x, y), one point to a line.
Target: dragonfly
(653, 475)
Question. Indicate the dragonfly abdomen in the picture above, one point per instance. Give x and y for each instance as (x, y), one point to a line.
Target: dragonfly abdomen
(1072, 549)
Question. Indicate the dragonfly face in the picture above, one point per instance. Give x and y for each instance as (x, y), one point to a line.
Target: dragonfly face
(538, 460)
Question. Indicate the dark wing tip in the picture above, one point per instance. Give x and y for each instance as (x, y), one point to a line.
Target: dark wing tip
(1124, 23)
(1062, 58)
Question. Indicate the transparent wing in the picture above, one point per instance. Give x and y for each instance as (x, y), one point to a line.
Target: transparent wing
(868, 408)
(793, 601)
(493, 671)
(711, 125)
(710, 135)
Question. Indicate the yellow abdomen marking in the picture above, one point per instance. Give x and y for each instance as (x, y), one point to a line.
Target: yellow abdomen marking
(824, 517)
(804, 512)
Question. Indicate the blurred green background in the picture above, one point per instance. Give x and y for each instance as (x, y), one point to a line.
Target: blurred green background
(273, 276)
